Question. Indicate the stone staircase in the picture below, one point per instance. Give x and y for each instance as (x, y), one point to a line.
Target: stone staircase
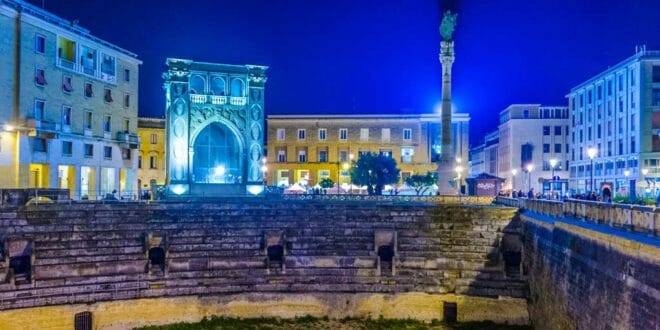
(86, 253)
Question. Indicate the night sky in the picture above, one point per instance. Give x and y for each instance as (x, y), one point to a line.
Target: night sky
(379, 56)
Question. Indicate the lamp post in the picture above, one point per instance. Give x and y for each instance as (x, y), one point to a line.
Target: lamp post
(645, 171)
(553, 163)
(513, 181)
(626, 174)
(458, 169)
(346, 166)
(592, 152)
(529, 167)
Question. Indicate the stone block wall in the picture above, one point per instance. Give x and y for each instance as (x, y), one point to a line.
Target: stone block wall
(585, 277)
(91, 253)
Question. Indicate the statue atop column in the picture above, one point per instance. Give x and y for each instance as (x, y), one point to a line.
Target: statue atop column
(446, 166)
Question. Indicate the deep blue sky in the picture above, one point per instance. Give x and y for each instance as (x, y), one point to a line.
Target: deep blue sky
(379, 56)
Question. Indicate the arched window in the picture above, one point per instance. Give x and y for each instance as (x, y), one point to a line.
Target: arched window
(218, 86)
(217, 156)
(237, 87)
(197, 85)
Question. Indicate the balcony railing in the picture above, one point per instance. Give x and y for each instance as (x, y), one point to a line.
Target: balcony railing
(218, 100)
(76, 67)
(128, 139)
(238, 100)
(41, 124)
(197, 98)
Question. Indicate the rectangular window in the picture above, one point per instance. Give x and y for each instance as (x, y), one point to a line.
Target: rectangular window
(364, 134)
(107, 95)
(66, 116)
(557, 148)
(343, 134)
(525, 113)
(67, 148)
(407, 134)
(385, 153)
(89, 92)
(153, 162)
(88, 60)
(280, 134)
(107, 152)
(620, 147)
(67, 84)
(632, 122)
(39, 44)
(655, 98)
(407, 154)
(385, 135)
(39, 106)
(127, 125)
(89, 150)
(139, 161)
(598, 135)
(125, 153)
(301, 134)
(154, 138)
(88, 120)
(127, 100)
(40, 77)
(343, 155)
(323, 156)
(108, 68)
(632, 77)
(322, 134)
(656, 73)
(632, 144)
(609, 88)
(546, 148)
(281, 156)
(546, 130)
(40, 144)
(106, 124)
(557, 130)
(302, 156)
(127, 75)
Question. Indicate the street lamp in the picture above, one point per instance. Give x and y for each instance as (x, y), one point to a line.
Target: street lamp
(645, 171)
(346, 166)
(264, 169)
(529, 168)
(553, 163)
(592, 152)
(458, 169)
(513, 181)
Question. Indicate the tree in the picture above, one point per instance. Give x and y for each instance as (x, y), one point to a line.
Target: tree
(326, 183)
(421, 183)
(374, 171)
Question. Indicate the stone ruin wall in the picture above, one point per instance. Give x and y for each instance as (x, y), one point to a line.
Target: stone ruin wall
(589, 279)
(136, 264)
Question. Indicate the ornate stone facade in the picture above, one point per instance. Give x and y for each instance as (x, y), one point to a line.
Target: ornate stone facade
(199, 95)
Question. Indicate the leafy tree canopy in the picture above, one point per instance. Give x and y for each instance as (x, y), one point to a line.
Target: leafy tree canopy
(326, 183)
(422, 182)
(374, 171)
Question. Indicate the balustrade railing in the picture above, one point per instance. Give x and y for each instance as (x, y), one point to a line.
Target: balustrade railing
(636, 218)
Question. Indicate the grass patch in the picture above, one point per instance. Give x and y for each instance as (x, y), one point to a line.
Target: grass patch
(309, 322)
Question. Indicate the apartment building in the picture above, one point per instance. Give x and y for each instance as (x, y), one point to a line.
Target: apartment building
(68, 105)
(533, 138)
(483, 158)
(305, 149)
(151, 155)
(616, 114)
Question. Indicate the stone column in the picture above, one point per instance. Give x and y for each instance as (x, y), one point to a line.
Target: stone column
(446, 171)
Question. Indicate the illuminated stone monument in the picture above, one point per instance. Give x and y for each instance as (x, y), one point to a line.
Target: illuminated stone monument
(446, 166)
(215, 128)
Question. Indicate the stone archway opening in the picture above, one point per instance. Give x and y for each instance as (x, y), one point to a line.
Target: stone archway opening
(217, 156)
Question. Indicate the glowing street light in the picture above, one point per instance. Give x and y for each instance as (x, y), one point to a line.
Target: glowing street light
(626, 173)
(529, 169)
(458, 170)
(553, 163)
(592, 152)
(513, 180)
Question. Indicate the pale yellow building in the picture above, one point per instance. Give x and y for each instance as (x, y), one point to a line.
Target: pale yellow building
(307, 148)
(151, 156)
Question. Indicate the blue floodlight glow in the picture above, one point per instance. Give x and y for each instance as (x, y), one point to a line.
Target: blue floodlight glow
(255, 189)
(178, 189)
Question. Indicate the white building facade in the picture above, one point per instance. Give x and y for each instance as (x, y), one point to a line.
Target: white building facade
(617, 113)
(531, 139)
(68, 106)
(483, 158)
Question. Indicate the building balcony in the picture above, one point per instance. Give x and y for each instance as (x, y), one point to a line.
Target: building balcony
(33, 123)
(238, 100)
(197, 98)
(90, 72)
(218, 100)
(128, 140)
